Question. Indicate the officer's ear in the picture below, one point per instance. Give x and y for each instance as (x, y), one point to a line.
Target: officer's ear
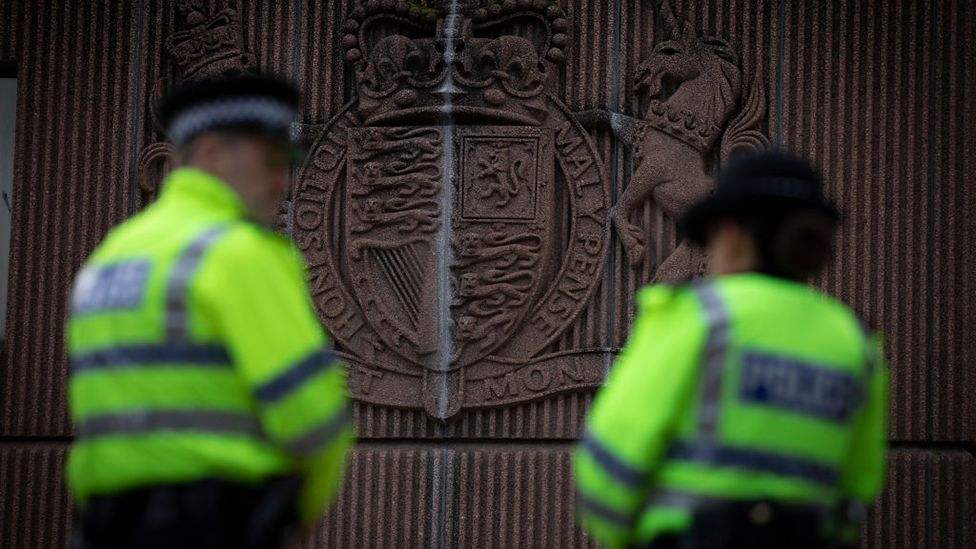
(188, 151)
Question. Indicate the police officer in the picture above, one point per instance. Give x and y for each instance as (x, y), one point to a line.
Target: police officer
(208, 409)
(747, 408)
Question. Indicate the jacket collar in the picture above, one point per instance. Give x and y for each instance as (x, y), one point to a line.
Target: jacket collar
(196, 188)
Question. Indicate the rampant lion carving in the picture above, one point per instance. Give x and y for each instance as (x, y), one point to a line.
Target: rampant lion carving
(500, 174)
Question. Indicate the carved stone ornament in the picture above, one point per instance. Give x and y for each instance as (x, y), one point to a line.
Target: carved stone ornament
(454, 213)
(208, 41)
(208, 45)
(695, 105)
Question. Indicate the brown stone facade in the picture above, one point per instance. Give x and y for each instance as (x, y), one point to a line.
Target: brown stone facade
(488, 185)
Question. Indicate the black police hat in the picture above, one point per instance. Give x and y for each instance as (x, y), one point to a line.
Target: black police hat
(251, 103)
(772, 182)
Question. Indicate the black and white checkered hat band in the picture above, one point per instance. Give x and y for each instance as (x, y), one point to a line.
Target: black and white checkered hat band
(263, 111)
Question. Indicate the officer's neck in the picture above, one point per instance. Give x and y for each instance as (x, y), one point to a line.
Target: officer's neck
(731, 250)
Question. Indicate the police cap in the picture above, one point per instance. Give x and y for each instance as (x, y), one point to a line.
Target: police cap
(250, 103)
(769, 182)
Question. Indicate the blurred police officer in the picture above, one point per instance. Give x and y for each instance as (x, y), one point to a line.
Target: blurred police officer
(208, 409)
(746, 409)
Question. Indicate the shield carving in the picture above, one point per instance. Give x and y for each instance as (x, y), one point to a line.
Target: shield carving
(454, 214)
(498, 195)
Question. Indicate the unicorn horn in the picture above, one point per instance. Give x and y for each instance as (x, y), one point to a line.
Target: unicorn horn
(672, 29)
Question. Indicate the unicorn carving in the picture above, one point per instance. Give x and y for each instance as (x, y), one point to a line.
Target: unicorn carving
(690, 89)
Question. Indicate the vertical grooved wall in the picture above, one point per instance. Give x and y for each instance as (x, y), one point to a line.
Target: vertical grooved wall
(879, 93)
(71, 171)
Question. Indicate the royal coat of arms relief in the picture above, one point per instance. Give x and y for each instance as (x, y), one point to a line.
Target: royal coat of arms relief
(454, 213)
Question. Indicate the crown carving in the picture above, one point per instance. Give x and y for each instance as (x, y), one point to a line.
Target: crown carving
(209, 45)
(683, 125)
(485, 61)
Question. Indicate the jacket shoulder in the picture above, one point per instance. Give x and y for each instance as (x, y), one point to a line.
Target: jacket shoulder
(665, 299)
(848, 317)
(660, 296)
(246, 238)
(653, 297)
(244, 245)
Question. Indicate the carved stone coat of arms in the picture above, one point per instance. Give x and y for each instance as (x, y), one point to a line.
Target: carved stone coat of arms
(454, 213)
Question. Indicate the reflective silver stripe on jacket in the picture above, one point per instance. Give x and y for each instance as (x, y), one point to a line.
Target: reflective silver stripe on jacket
(713, 358)
(678, 499)
(295, 376)
(139, 356)
(610, 463)
(758, 461)
(321, 435)
(177, 285)
(584, 502)
(158, 421)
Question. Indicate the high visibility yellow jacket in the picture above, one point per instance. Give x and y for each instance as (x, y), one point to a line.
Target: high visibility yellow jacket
(196, 353)
(745, 387)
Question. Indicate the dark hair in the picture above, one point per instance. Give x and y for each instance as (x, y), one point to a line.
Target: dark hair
(794, 244)
(776, 196)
